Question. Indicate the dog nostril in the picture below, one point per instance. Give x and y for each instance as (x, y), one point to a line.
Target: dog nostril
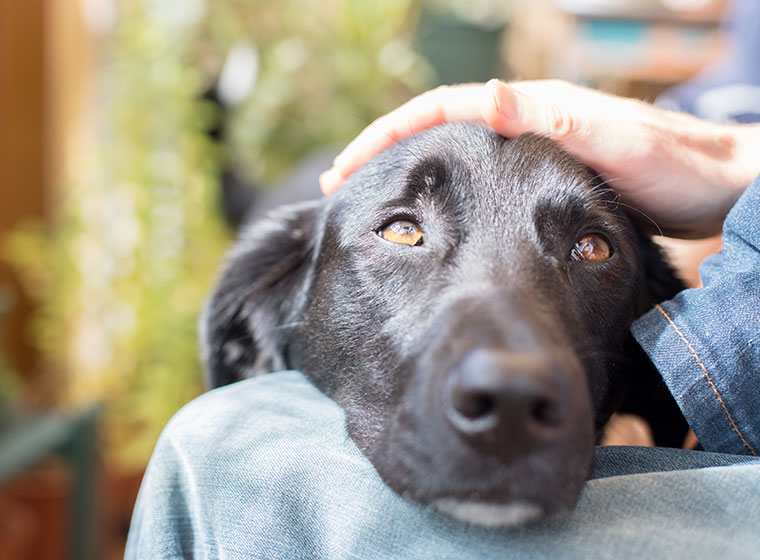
(473, 405)
(504, 396)
(546, 412)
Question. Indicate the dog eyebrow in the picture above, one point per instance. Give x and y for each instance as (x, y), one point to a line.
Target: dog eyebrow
(574, 211)
(435, 178)
(427, 174)
(563, 210)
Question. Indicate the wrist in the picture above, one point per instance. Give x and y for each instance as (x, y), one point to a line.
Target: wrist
(746, 157)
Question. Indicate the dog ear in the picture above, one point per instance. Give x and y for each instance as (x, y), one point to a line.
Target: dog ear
(647, 395)
(259, 296)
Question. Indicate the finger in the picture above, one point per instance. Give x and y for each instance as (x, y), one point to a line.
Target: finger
(443, 104)
(514, 109)
(330, 181)
(509, 109)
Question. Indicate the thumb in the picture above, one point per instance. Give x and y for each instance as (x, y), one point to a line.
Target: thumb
(510, 111)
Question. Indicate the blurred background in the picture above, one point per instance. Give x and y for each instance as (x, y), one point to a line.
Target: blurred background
(133, 132)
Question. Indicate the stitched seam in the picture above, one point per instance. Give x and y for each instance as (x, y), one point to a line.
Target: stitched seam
(709, 380)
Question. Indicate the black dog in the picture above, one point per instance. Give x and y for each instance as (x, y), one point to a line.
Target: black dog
(467, 300)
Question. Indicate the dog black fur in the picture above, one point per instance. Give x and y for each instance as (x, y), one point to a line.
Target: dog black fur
(477, 365)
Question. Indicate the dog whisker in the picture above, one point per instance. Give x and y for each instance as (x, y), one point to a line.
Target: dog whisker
(603, 188)
(243, 338)
(590, 181)
(594, 188)
(425, 347)
(616, 202)
(288, 325)
(647, 216)
(404, 146)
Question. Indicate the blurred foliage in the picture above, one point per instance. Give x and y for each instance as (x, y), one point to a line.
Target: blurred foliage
(489, 14)
(121, 273)
(9, 382)
(326, 69)
(9, 386)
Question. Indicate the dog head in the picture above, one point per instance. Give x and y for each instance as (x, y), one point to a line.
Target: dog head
(466, 299)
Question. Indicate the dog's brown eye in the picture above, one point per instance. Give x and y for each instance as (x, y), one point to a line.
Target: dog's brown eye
(592, 247)
(405, 232)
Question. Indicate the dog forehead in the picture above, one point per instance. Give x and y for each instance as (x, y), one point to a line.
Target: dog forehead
(462, 161)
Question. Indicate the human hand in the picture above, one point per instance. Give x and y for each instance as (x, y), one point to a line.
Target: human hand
(681, 172)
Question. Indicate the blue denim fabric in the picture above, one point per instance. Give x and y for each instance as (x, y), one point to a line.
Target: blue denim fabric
(265, 469)
(706, 341)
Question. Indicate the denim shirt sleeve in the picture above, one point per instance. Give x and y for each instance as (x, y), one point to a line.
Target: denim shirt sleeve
(706, 341)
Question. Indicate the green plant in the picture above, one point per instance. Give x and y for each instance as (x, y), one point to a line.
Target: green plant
(326, 69)
(9, 384)
(121, 273)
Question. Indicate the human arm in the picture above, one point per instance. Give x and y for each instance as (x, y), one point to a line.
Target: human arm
(705, 341)
(684, 173)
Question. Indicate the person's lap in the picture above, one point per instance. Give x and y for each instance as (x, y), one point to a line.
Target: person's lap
(264, 469)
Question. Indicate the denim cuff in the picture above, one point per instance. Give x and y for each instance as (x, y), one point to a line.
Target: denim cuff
(706, 342)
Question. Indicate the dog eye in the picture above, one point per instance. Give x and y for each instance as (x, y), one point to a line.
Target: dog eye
(591, 247)
(405, 232)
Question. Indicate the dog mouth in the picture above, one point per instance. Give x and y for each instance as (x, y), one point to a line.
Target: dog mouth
(495, 463)
(433, 468)
(493, 423)
(489, 514)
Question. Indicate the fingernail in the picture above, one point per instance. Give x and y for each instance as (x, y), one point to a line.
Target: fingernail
(505, 99)
(330, 180)
(338, 161)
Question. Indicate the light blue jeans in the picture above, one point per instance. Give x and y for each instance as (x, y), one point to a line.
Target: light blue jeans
(706, 342)
(264, 469)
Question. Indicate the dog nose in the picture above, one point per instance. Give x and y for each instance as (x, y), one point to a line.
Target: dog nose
(508, 402)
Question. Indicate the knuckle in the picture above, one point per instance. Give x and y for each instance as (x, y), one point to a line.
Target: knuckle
(433, 96)
(557, 84)
(433, 93)
(561, 124)
(425, 99)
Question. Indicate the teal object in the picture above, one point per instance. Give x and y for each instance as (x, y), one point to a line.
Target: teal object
(27, 438)
(459, 51)
(619, 31)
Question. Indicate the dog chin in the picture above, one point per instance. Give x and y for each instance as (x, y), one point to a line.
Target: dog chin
(489, 515)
